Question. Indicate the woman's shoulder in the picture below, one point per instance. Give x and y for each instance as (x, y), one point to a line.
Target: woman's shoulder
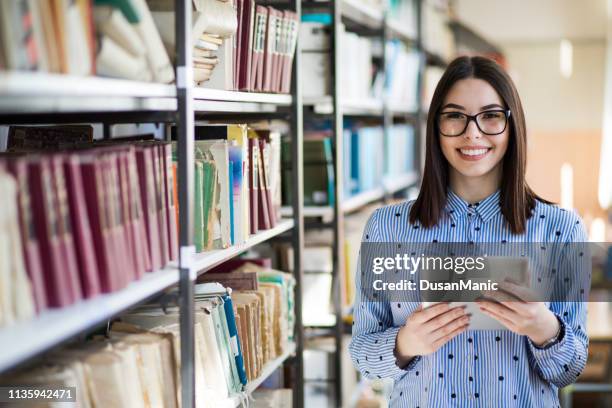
(566, 223)
(388, 221)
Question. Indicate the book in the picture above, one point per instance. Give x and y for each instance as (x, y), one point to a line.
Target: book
(98, 199)
(159, 62)
(83, 240)
(47, 184)
(258, 57)
(18, 168)
(16, 296)
(213, 21)
(111, 22)
(34, 138)
(144, 160)
(17, 35)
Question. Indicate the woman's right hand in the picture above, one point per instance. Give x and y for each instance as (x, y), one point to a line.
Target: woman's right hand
(426, 330)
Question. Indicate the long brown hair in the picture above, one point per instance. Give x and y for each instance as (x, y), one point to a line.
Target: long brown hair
(517, 199)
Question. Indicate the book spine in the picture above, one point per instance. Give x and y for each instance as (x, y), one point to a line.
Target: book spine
(169, 196)
(19, 168)
(88, 267)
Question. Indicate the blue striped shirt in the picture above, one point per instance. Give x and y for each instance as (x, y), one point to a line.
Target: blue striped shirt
(478, 368)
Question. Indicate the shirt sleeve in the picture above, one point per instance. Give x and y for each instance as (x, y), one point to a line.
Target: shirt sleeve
(372, 346)
(562, 362)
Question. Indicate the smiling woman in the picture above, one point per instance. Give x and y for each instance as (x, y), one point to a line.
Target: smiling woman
(474, 190)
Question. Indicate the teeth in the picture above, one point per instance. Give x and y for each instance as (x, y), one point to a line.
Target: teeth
(473, 152)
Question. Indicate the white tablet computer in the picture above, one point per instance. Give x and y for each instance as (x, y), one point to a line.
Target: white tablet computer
(498, 269)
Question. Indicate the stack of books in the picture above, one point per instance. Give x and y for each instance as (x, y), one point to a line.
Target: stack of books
(356, 66)
(91, 220)
(214, 22)
(237, 177)
(399, 150)
(259, 57)
(402, 74)
(318, 170)
(114, 38)
(137, 364)
(263, 307)
(132, 367)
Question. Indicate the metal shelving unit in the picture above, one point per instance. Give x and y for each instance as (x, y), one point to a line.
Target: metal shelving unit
(369, 22)
(28, 98)
(204, 261)
(28, 339)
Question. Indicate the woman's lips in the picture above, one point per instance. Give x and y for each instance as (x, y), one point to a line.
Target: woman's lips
(473, 153)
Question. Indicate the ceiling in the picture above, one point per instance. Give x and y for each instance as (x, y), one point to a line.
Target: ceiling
(519, 21)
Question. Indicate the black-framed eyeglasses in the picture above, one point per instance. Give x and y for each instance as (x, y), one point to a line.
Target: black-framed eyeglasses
(489, 122)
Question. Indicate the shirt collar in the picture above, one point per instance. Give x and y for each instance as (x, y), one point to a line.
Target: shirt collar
(485, 208)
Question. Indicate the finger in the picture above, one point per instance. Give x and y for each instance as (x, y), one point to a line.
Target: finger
(443, 340)
(507, 300)
(431, 312)
(509, 324)
(511, 302)
(444, 318)
(521, 292)
(450, 327)
(499, 309)
(500, 296)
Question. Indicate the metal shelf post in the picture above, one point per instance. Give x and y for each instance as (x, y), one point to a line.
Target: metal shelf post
(185, 124)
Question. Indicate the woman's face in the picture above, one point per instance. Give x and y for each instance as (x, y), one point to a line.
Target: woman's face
(473, 154)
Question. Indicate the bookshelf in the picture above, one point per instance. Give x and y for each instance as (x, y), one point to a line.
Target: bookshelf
(28, 339)
(207, 260)
(34, 98)
(374, 23)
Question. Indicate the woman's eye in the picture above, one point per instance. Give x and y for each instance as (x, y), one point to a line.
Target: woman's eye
(453, 115)
(491, 115)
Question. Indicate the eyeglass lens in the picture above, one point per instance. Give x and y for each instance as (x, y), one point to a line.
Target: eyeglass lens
(489, 122)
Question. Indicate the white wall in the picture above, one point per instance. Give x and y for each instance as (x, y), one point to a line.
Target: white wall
(552, 102)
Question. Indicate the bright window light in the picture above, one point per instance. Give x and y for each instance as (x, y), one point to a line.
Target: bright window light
(567, 186)
(566, 57)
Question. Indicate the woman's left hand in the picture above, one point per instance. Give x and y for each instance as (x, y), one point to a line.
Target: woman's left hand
(512, 308)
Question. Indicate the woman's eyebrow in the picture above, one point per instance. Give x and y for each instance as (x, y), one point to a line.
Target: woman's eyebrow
(453, 105)
(493, 105)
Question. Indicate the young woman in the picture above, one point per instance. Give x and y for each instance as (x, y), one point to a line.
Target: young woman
(473, 190)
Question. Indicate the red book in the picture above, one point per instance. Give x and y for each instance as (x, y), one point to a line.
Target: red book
(144, 160)
(115, 231)
(238, 42)
(19, 168)
(60, 291)
(175, 196)
(86, 258)
(264, 153)
(169, 186)
(269, 49)
(128, 248)
(259, 37)
(263, 213)
(246, 45)
(276, 50)
(71, 266)
(253, 184)
(137, 215)
(291, 33)
(98, 209)
(162, 214)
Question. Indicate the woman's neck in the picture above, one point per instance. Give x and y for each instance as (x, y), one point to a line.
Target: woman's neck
(474, 189)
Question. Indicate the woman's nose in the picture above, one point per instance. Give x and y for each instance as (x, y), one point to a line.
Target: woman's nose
(472, 131)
